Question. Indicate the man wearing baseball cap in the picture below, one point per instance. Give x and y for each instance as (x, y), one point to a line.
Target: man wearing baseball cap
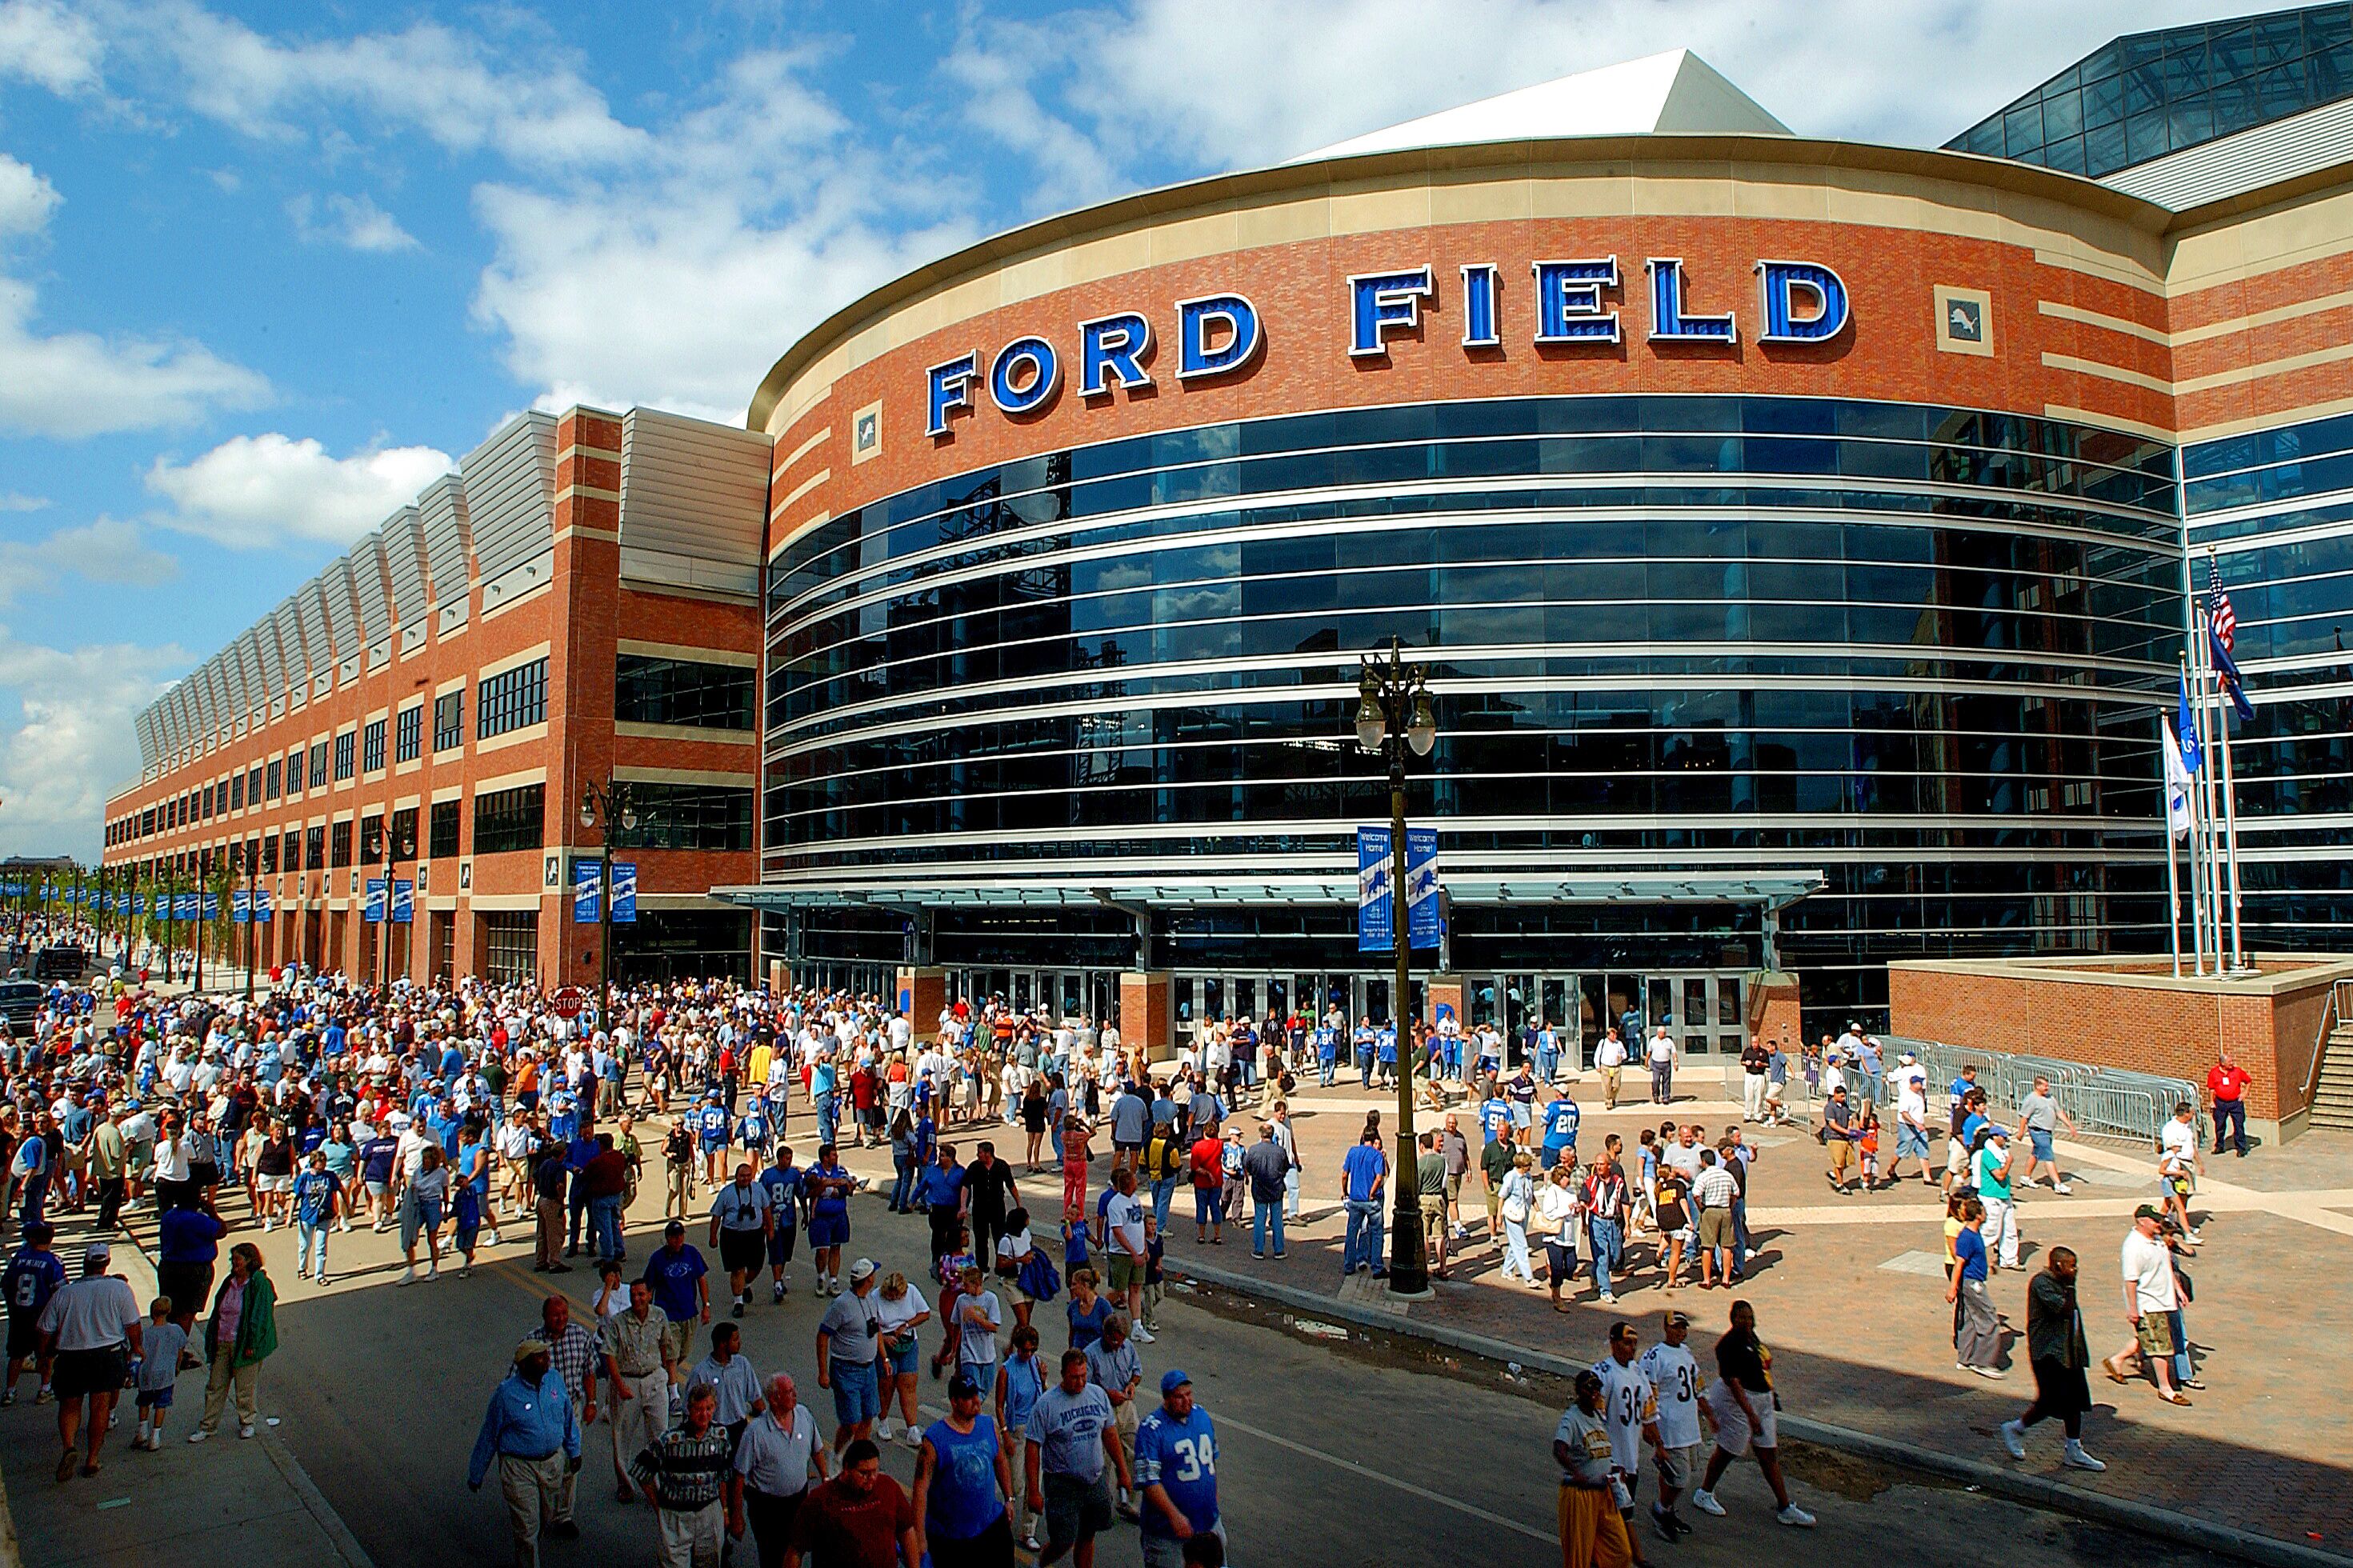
(530, 1430)
(1177, 1471)
(91, 1329)
(961, 1481)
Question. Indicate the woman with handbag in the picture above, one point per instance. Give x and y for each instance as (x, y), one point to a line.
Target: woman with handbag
(1015, 1254)
(1518, 1208)
(1558, 1215)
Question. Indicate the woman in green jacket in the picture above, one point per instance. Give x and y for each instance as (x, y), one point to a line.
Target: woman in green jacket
(241, 1334)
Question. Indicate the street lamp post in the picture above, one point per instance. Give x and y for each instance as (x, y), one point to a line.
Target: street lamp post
(383, 971)
(611, 801)
(252, 926)
(1394, 713)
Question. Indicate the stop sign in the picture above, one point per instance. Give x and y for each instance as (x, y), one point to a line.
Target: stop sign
(569, 1001)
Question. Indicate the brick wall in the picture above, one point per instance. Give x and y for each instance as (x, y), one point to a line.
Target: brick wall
(2124, 1015)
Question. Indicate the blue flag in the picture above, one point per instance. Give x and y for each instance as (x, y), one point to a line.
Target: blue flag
(2227, 669)
(2185, 725)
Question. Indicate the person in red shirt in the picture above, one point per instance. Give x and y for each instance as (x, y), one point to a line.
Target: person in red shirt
(1204, 1167)
(860, 1519)
(2226, 1085)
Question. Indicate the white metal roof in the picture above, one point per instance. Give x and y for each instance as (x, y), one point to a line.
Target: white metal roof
(1673, 91)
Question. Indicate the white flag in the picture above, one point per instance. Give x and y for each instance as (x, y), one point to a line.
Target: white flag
(2176, 784)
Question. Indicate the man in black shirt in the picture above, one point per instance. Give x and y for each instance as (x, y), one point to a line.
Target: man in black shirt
(989, 1193)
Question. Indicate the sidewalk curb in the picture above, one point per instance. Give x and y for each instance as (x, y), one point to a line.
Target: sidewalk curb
(289, 1470)
(2036, 1492)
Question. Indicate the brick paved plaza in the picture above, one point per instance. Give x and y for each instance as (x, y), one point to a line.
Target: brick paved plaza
(1848, 1292)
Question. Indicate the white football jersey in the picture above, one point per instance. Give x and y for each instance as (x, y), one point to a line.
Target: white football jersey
(1674, 1373)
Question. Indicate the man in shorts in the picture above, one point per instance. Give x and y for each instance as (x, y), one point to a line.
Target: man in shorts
(1674, 1379)
(91, 1328)
(1126, 1238)
(847, 1351)
(1630, 1408)
(740, 1220)
(2179, 1163)
(1068, 1436)
(31, 1277)
(2039, 1119)
(1911, 1118)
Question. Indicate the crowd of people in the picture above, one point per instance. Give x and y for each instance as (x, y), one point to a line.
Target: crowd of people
(445, 1115)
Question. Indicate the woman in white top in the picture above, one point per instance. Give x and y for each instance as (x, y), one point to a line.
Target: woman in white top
(900, 1309)
(1559, 1216)
(422, 1202)
(1518, 1197)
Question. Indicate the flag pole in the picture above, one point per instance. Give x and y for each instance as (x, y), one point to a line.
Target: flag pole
(2172, 877)
(2230, 797)
(2211, 845)
(2197, 873)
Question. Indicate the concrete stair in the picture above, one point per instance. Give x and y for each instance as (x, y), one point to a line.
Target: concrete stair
(2332, 1098)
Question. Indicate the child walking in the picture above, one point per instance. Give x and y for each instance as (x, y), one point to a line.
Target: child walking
(158, 1369)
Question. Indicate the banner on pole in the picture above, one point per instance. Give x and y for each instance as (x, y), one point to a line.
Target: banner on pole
(1376, 916)
(2176, 784)
(404, 902)
(1425, 917)
(261, 904)
(238, 913)
(586, 888)
(625, 892)
(373, 905)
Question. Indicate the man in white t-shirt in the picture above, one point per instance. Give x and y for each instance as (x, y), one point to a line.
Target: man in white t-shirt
(2179, 1161)
(1675, 1378)
(1631, 1409)
(1129, 1244)
(2151, 1296)
(1911, 1117)
(1660, 1051)
(1611, 1057)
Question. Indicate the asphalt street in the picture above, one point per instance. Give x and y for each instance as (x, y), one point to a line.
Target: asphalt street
(1329, 1456)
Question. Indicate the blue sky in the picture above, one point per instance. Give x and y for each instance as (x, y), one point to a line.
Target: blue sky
(265, 270)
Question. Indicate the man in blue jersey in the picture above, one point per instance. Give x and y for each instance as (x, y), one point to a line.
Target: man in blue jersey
(1176, 1470)
(1496, 1117)
(1327, 1055)
(713, 1130)
(1560, 1118)
(783, 1181)
(1385, 1046)
(1363, 1041)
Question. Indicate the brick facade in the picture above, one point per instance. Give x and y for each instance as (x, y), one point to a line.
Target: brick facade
(577, 616)
(2132, 1015)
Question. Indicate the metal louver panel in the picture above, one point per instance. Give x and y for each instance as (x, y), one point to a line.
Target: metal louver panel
(368, 589)
(511, 494)
(270, 655)
(404, 565)
(448, 535)
(247, 653)
(694, 499)
(319, 644)
(233, 676)
(342, 616)
(296, 664)
(151, 751)
(2247, 160)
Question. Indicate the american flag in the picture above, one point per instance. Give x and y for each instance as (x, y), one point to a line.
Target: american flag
(2224, 619)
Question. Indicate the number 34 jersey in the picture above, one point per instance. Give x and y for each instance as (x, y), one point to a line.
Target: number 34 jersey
(1675, 1376)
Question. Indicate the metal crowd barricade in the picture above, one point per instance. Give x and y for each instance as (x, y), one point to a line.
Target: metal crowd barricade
(2111, 1103)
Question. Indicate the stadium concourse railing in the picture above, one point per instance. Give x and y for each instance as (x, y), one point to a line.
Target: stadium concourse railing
(2106, 1102)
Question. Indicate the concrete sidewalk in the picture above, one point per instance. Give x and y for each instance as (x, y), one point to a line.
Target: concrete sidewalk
(222, 1504)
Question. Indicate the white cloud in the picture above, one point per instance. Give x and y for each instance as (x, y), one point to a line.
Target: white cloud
(1287, 79)
(71, 744)
(109, 551)
(26, 199)
(43, 43)
(11, 501)
(452, 87)
(71, 384)
(677, 278)
(251, 492)
(355, 223)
